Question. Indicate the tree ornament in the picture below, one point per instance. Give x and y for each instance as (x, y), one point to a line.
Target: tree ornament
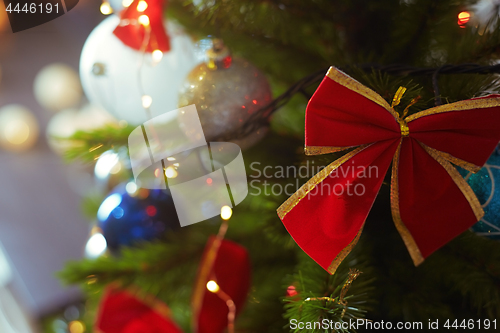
(431, 202)
(57, 87)
(116, 76)
(131, 214)
(131, 311)
(487, 191)
(221, 287)
(226, 91)
(140, 33)
(18, 128)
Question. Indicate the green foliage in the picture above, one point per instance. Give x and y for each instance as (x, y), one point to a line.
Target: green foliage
(319, 294)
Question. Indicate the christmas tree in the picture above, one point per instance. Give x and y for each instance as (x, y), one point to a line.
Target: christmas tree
(253, 276)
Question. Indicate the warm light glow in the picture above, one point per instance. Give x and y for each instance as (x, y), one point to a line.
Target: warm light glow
(127, 3)
(131, 187)
(171, 158)
(106, 164)
(463, 18)
(106, 8)
(141, 6)
(96, 246)
(226, 212)
(157, 55)
(144, 20)
(146, 101)
(209, 181)
(212, 286)
(17, 132)
(170, 172)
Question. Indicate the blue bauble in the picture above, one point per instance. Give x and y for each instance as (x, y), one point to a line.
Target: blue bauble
(130, 214)
(486, 186)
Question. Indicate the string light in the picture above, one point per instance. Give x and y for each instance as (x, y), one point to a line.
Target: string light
(226, 212)
(144, 20)
(157, 55)
(463, 18)
(142, 6)
(146, 101)
(212, 286)
(106, 8)
(170, 172)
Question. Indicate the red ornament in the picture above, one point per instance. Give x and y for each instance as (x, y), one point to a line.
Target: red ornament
(227, 264)
(135, 34)
(431, 203)
(122, 312)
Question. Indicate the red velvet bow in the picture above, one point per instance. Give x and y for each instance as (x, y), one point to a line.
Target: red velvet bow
(227, 263)
(138, 36)
(122, 312)
(431, 203)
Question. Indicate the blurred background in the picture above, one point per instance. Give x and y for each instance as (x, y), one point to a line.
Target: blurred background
(41, 225)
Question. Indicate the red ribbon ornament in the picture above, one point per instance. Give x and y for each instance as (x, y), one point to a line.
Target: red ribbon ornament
(122, 312)
(431, 203)
(149, 37)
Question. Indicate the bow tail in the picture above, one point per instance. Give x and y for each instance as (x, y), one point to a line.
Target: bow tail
(326, 215)
(438, 204)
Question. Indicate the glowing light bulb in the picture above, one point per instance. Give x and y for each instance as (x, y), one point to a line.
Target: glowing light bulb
(106, 8)
(144, 20)
(226, 212)
(170, 172)
(131, 187)
(127, 3)
(212, 286)
(142, 6)
(157, 55)
(96, 246)
(463, 18)
(146, 101)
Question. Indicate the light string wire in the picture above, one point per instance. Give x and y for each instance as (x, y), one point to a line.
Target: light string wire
(261, 117)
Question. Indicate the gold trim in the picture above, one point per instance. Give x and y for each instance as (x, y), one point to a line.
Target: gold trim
(459, 181)
(457, 106)
(450, 158)
(344, 253)
(410, 243)
(320, 150)
(351, 84)
(292, 201)
(405, 130)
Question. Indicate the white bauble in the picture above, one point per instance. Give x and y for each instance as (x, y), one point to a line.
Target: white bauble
(57, 87)
(18, 128)
(110, 74)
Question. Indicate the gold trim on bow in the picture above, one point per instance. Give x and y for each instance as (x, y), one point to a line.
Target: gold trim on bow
(352, 84)
(291, 202)
(458, 179)
(320, 150)
(344, 253)
(457, 106)
(450, 158)
(410, 243)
